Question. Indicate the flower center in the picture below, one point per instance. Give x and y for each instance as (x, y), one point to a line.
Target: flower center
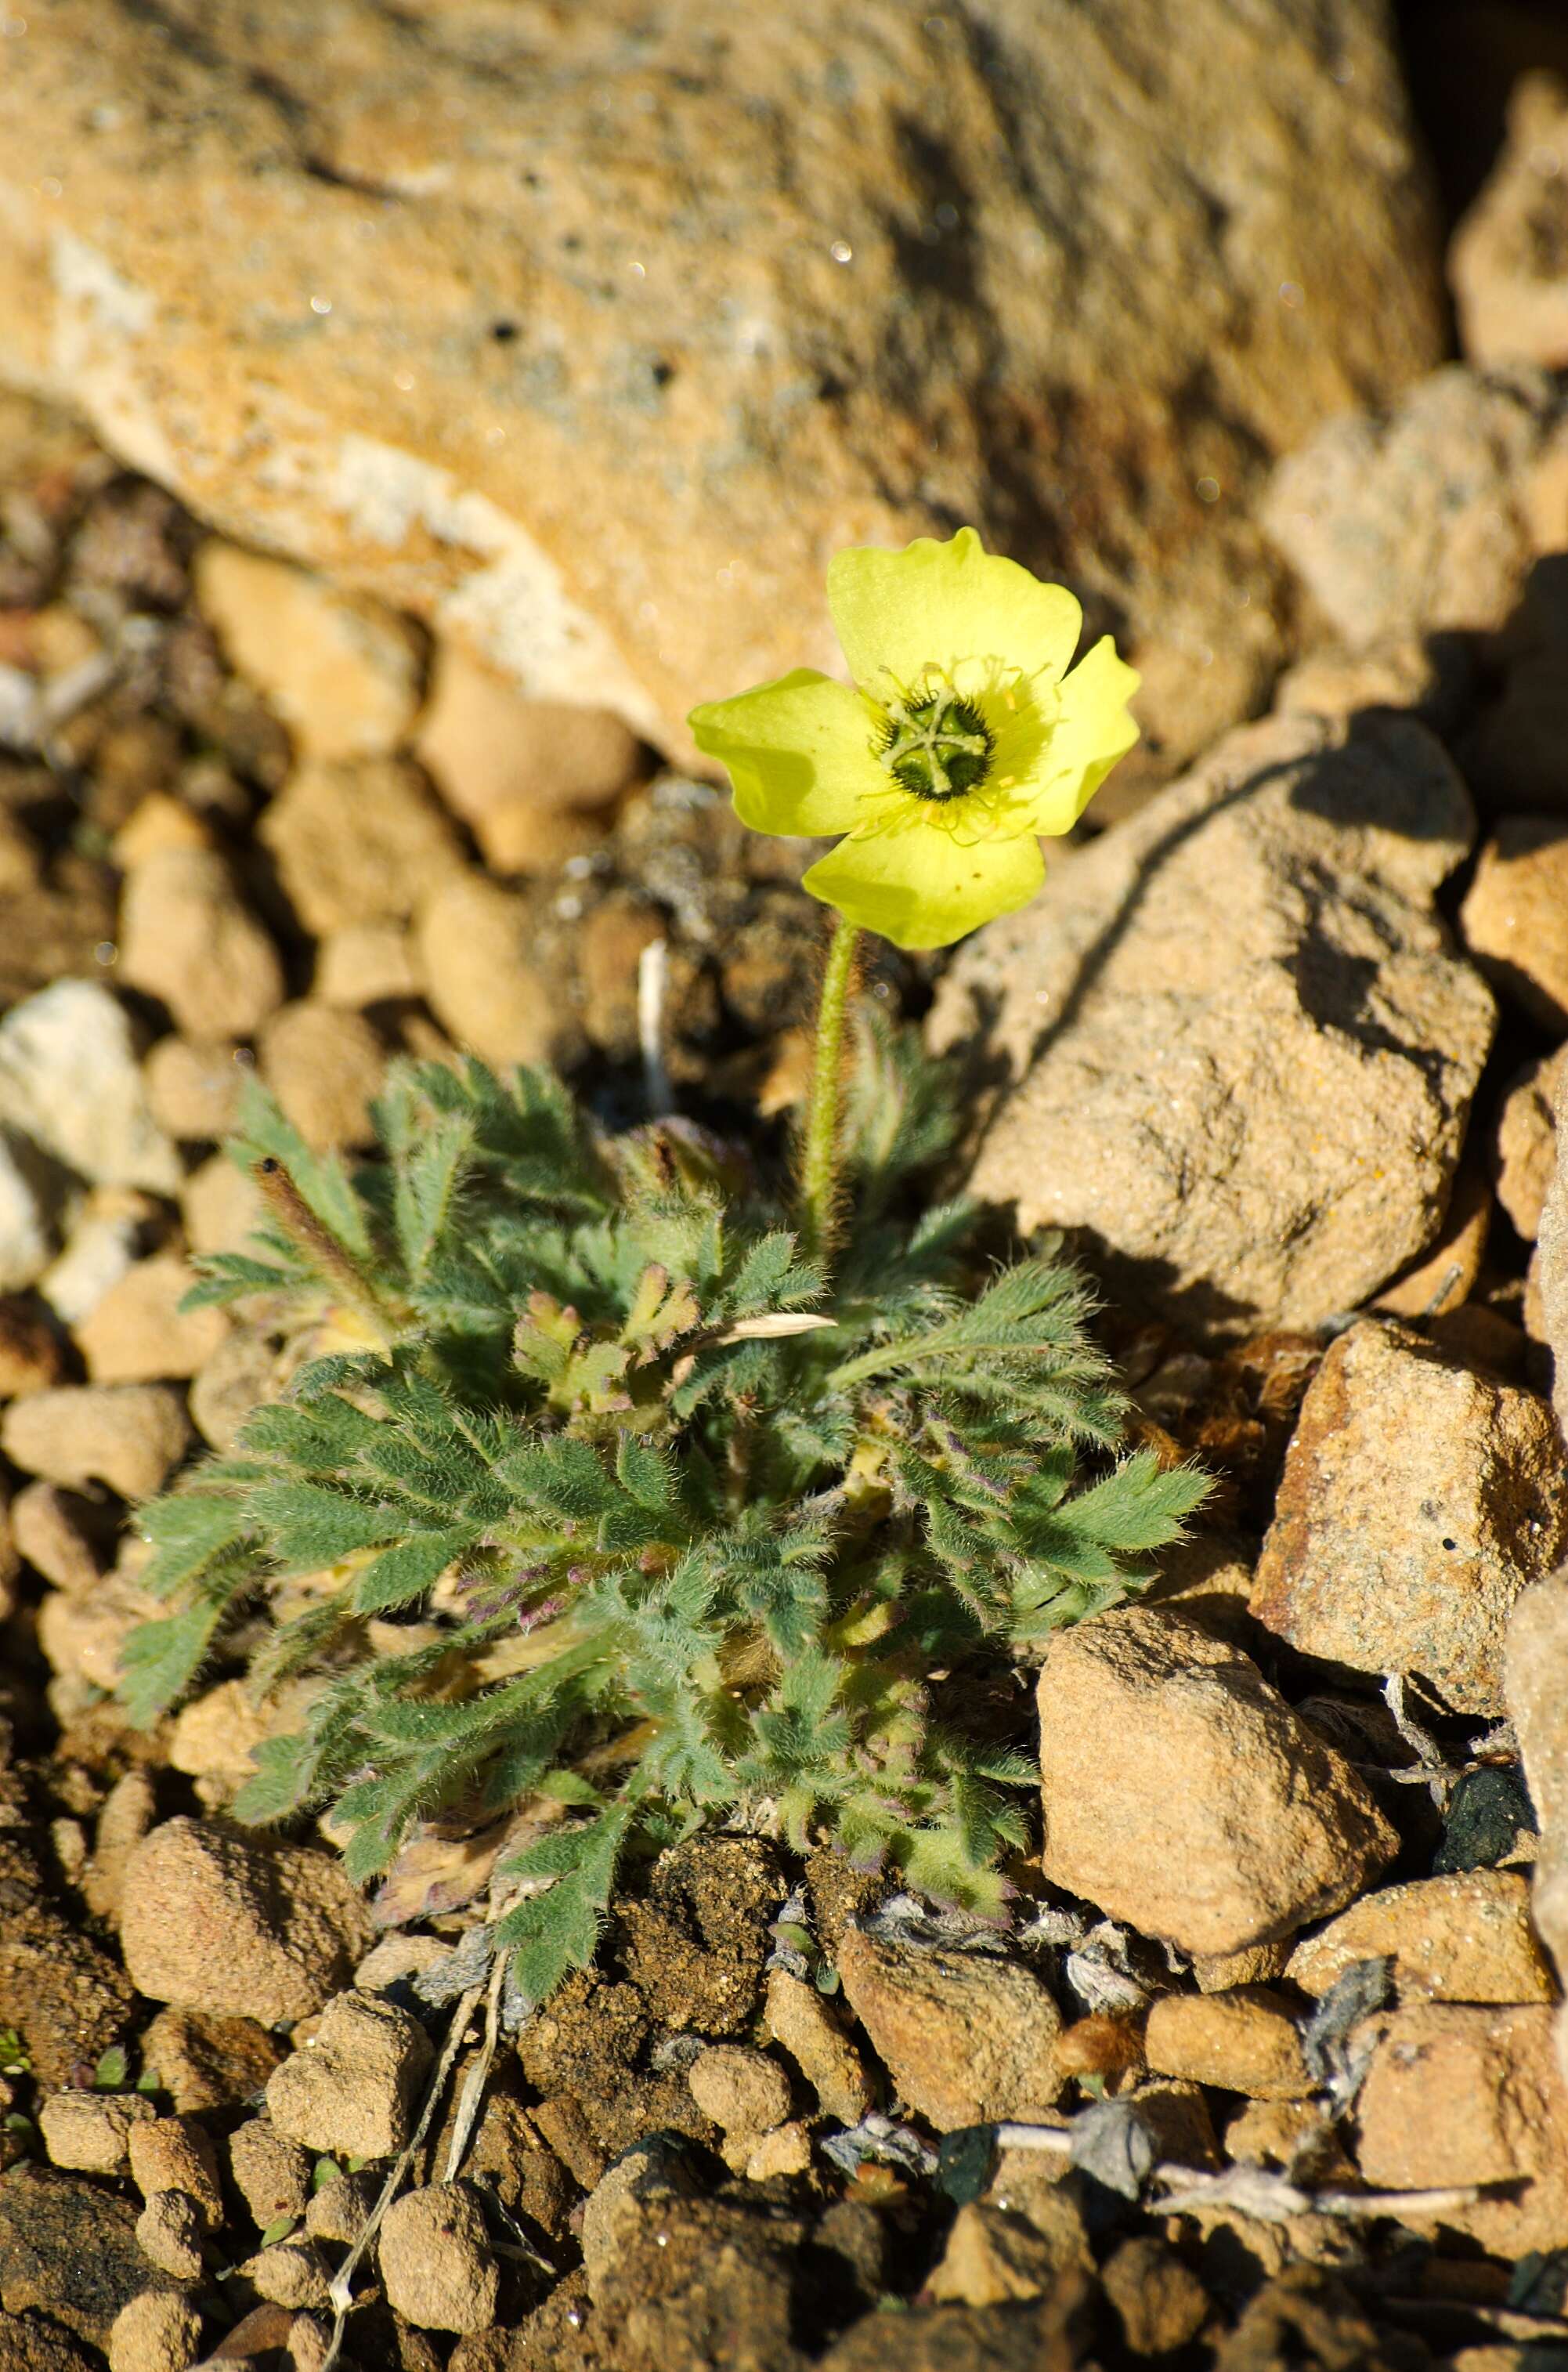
(938, 747)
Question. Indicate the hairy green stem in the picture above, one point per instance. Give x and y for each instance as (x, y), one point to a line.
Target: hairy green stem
(824, 1114)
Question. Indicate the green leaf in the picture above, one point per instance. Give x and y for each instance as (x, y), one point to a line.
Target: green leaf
(313, 1527)
(553, 1932)
(113, 2070)
(408, 1572)
(278, 2230)
(159, 1661)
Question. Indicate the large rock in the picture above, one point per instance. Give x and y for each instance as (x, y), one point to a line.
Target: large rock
(588, 333)
(1419, 1499)
(69, 1082)
(1183, 1796)
(1427, 517)
(212, 1922)
(1509, 263)
(1239, 1050)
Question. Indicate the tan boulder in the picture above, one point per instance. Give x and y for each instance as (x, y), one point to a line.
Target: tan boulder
(1505, 263)
(1515, 917)
(325, 1066)
(1525, 1142)
(343, 674)
(576, 335)
(138, 1331)
(1419, 1499)
(477, 951)
(214, 1922)
(964, 2035)
(1183, 1796)
(1469, 2094)
(188, 937)
(1244, 2040)
(358, 844)
(1268, 924)
(1462, 1938)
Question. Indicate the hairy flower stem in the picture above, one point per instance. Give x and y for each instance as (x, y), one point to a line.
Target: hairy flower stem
(824, 1113)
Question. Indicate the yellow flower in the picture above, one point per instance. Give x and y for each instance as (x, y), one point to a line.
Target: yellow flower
(966, 737)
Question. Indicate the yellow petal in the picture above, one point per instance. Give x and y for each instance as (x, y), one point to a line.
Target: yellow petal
(947, 606)
(798, 752)
(920, 888)
(1093, 730)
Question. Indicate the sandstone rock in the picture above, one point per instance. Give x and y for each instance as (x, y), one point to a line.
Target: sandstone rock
(193, 1086)
(395, 1958)
(522, 838)
(1418, 1500)
(994, 2256)
(1183, 1796)
(215, 1923)
(175, 2154)
(324, 1065)
(1472, 2096)
(159, 822)
(477, 403)
(786, 2150)
(1547, 1283)
(187, 936)
(1294, 1144)
(138, 1331)
(159, 2331)
(130, 1435)
(964, 2035)
(1536, 1692)
(341, 2209)
(1508, 260)
(170, 2232)
(343, 674)
(220, 1205)
(271, 2173)
(107, 1236)
(475, 943)
(1434, 681)
(69, 1082)
(434, 2252)
(214, 1736)
(358, 844)
(205, 2063)
(1244, 2042)
(1259, 1964)
(126, 1814)
(366, 963)
(488, 749)
(354, 2086)
(29, 1206)
(743, 2090)
(1160, 2302)
(290, 2273)
(800, 2021)
(241, 1373)
(1466, 1937)
(1444, 1278)
(62, 1536)
(1526, 1143)
(1515, 917)
(1427, 518)
(84, 1638)
(90, 2131)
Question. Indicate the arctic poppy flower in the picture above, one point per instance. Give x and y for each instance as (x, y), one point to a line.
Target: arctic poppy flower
(967, 736)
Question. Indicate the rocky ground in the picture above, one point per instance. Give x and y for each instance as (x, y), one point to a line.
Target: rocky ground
(1268, 2068)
